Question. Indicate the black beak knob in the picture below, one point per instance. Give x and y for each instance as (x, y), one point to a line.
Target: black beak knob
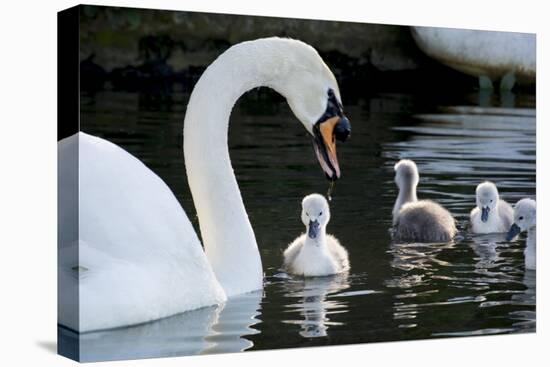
(342, 130)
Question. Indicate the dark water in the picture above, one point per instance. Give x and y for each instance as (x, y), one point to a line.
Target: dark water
(475, 286)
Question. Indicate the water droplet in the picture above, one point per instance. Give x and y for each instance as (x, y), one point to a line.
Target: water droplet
(330, 189)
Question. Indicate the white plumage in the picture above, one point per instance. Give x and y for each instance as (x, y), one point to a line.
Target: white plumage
(315, 253)
(488, 54)
(525, 220)
(492, 214)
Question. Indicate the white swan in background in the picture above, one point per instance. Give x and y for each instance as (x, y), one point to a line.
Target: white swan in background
(525, 220)
(489, 55)
(492, 214)
(127, 251)
(418, 220)
(315, 253)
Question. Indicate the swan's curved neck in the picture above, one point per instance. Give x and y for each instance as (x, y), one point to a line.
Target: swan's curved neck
(227, 235)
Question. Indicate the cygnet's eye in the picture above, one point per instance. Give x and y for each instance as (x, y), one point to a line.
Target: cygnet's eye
(320, 213)
(307, 214)
(520, 218)
(491, 200)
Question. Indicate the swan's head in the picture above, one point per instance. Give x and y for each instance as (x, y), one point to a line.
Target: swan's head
(315, 214)
(406, 174)
(313, 95)
(486, 199)
(525, 217)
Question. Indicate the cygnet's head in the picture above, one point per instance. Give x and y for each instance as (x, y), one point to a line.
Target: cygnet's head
(486, 199)
(315, 214)
(406, 174)
(525, 217)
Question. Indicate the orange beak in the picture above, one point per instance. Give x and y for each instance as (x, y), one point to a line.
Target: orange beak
(327, 132)
(325, 147)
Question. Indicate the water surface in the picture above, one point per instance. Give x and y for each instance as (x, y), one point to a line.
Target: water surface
(476, 285)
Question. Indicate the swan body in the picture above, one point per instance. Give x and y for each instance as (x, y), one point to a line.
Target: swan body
(418, 220)
(127, 251)
(525, 220)
(481, 53)
(315, 253)
(492, 214)
(138, 257)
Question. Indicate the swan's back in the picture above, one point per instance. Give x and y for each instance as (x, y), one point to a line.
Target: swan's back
(424, 221)
(138, 255)
(478, 52)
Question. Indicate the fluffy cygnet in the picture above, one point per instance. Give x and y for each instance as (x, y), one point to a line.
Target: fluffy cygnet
(525, 220)
(492, 214)
(418, 220)
(315, 253)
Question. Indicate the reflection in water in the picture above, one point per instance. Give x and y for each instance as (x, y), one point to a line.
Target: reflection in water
(213, 329)
(494, 280)
(486, 251)
(417, 263)
(526, 318)
(417, 256)
(313, 306)
(235, 321)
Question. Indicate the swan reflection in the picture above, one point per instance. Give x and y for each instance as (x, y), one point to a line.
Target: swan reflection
(417, 256)
(415, 265)
(215, 329)
(312, 304)
(526, 318)
(487, 249)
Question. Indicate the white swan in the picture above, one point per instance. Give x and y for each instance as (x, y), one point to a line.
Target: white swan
(127, 251)
(414, 220)
(492, 214)
(489, 55)
(315, 253)
(525, 220)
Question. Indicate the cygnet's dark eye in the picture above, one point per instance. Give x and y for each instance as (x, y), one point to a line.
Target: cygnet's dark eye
(520, 218)
(307, 214)
(491, 200)
(320, 213)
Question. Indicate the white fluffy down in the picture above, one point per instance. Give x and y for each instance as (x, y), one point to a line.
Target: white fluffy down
(500, 216)
(525, 217)
(300, 259)
(319, 256)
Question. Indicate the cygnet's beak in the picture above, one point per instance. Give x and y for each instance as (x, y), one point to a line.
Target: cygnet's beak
(485, 213)
(313, 229)
(513, 232)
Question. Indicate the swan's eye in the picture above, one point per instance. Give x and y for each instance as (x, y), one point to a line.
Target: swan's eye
(307, 214)
(320, 213)
(520, 218)
(330, 92)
